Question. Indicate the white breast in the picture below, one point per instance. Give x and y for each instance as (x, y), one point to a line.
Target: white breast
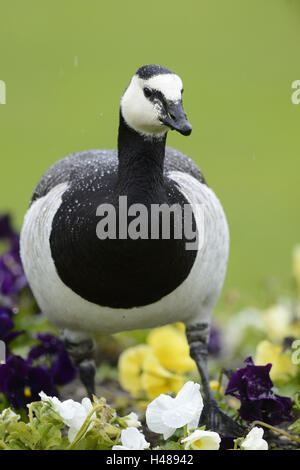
(192, 301)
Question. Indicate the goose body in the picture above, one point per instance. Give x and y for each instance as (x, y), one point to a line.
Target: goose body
(88, 280)
(85, 284)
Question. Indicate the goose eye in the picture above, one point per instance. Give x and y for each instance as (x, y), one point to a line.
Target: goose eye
(147, 92)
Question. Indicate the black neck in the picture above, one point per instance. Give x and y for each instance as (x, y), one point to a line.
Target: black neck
(141, 161)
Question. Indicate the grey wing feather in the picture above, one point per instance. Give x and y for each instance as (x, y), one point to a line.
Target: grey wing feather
(62, 171)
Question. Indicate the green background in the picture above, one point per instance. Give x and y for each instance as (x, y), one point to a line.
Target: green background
(66, 64)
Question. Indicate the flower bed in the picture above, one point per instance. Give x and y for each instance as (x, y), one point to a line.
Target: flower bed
(254, 368)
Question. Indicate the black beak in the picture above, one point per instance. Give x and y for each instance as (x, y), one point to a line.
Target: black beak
(176, 118)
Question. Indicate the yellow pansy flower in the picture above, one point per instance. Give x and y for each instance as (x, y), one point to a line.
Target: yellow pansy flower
(131, 367)
(180, 326)
(282, 366)
(215, 385)
(156, 379)
(279, 323)
(202, 440)
(170, 346)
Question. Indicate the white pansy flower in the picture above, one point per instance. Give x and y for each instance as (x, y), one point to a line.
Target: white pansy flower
(166, 414)
(72, 413)
(247, 320)
(132, 439)
(254, 440)
(132, 420)
(202, 440)
(278, 319)
(9, 414)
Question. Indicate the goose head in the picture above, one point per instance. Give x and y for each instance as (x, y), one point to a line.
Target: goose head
(152, 102)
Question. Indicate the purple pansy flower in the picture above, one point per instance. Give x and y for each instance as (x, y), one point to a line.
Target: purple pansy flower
(22, 382)
(214, 343)
(12, 277)
(254, 388)
(7, 325)
(62, 369)
(8, 233)
(6, 230)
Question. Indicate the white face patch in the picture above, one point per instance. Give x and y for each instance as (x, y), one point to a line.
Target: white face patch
(170, 85)
(139, 112)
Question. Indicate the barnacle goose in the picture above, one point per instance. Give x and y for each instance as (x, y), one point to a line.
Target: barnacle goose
(86, 283)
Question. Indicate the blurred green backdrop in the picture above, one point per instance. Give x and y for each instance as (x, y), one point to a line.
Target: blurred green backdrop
(67, 63)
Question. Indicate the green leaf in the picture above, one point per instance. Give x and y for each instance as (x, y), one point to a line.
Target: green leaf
(95, 439)
(50, 436)
(2, 430)
(295, 427)
(171, 445)
(106, 372)
(22, 435)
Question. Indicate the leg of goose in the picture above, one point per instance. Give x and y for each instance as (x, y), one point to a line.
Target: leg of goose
(80, 348)
(214, 419)
(87, 372)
